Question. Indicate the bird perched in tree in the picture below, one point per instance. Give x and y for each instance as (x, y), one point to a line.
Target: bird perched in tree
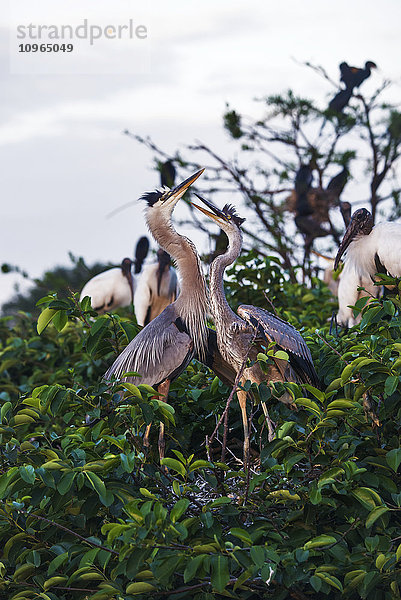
(116, 286)
(355, 76)
(370, 250)
(340, 100)
(352, 77)
(243, 335)
(337, 183)
(141, 252)
(156, 288)
(307, 218)
(303, 183)
(345, 210)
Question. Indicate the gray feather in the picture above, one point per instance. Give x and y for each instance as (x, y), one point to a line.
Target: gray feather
(159, 350)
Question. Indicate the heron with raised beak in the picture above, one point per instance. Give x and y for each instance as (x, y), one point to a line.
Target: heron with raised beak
(163, 348)
(243, 335)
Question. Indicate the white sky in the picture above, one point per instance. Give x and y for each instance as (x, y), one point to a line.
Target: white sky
(65, 162)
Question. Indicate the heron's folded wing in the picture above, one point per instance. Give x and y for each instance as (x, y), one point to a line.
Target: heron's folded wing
(284, 335)
(160, 351)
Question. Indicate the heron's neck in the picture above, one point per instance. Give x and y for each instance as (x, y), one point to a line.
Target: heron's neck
(221, 311)
(192, 302)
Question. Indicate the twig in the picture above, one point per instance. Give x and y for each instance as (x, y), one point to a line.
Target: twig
(77, 535)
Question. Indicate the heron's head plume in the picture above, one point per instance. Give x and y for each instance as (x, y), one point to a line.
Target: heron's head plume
(361, 224)
(226, 218)
(165, 199)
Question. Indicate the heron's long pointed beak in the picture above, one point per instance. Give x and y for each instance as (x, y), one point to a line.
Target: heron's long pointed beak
(347, 239)
(177, 192)
(214, 213)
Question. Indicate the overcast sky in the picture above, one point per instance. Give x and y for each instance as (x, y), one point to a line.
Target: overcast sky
(65, 162)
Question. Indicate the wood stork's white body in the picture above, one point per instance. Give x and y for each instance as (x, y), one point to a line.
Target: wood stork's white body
(148, 304)
(384, 241)
(109, 290)
(348, 283)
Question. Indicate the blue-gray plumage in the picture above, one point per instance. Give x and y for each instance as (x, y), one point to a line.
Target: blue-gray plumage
(242, 335)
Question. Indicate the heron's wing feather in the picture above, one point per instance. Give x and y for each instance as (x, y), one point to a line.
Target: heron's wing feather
(160, 351)
(284, 335)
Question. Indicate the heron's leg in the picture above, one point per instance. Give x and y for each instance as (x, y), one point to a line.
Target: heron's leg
(163, 389)
(241, 394)
(271, 428)
(146, 436)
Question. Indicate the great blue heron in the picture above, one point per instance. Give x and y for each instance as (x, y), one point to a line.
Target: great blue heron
(156, 288)
(116, 286)
(163, 349)
(242, 335)
(370, 250)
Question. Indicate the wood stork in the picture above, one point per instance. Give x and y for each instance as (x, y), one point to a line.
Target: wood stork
(164, 347)
(116, 286)
(156, 288)
(243, 335)
(370, 250)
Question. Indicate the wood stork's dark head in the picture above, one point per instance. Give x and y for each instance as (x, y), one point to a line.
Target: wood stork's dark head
(163, 201)
(361, 224)
(126, 267)
(226, 218)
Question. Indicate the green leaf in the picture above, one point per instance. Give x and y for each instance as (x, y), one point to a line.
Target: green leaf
(193, 566)
(174, 464)
(60, 320)
(65, 483)
(241, 534)
(200, 464)
(320, 541)
(44, 318)
(393, 459)
(178, 509)
(258, 556)
(367, 497)
(4, 410)
(330, 580)
(54, 581)
(97, 484)
(27, 473)
(57, 562)
(391, 384)
(220, 575)
(316, 583)
(140, 587)
(375, 514)
(309, 405)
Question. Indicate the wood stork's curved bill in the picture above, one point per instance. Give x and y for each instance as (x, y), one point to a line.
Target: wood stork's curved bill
(225, 215)
(177, 192)
(361, 224)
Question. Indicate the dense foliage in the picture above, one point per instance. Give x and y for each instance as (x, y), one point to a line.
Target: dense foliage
(85, 512)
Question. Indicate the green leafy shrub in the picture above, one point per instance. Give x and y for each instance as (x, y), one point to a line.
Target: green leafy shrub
(85, 512)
